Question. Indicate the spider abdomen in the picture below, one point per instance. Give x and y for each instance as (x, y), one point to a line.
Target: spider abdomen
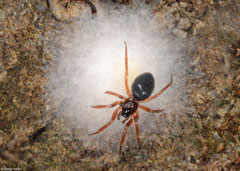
(143, 86)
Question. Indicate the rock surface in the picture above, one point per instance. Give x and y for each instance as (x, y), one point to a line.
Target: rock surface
(205, 137)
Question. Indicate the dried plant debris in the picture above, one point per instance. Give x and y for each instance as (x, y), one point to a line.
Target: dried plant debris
(37, 134)
(234, 59)
(68, 10)
(236, 49)
(205, 137)
(13, 146)
(93, 7)
(123, 1)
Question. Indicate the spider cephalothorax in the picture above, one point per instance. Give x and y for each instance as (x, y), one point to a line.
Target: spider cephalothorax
(142, 88)
(129, 107)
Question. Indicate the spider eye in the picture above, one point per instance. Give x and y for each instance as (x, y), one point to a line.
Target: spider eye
(121, 104)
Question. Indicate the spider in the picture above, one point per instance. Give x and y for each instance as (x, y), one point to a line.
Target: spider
(142, 88)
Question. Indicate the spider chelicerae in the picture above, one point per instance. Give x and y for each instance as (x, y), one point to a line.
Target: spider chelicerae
(142, 88)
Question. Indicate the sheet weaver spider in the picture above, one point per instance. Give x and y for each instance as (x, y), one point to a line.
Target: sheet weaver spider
(142, 88)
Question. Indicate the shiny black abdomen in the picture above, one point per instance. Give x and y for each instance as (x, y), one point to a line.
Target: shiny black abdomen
(143, 86)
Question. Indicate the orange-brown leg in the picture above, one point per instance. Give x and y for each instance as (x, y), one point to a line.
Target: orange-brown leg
(159, 93)
(109, 123)
(126, 72)
(107, 106)
(119, 115)
(149, 110)
(115, 94)
(124, 133)
(136, 125)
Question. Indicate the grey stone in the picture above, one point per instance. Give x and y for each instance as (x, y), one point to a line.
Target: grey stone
(41, 7)
(184, 24)
(180, 33)
(55, 10)
(198, 26)
(3, 76)
(192, 159)
(216, 136)
(2, 16)
(183, 4)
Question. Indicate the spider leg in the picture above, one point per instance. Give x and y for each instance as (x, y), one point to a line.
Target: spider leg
(115, 94)
(150, 110)
(107, 106)
(109, 123)
(126, 72)
(136, 125)
(124, 133)
(159, 93)
(119, 115)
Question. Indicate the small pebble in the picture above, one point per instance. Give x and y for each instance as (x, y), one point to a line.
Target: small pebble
(28, 155)
(180, 33)
(230, 107)
(192, 159)
(74, 156)
(183, 4)
(215, 116)
(216, 136)
(41, 7)
(175, 5)
(212, 95)
(11, 145)
(55, 10)
(235, 110)
(197, 27)
(184, 24)
(3, 76)
(221, 102)
(2, 16)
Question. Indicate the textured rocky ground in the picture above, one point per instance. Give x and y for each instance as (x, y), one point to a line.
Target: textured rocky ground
(32, 137)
